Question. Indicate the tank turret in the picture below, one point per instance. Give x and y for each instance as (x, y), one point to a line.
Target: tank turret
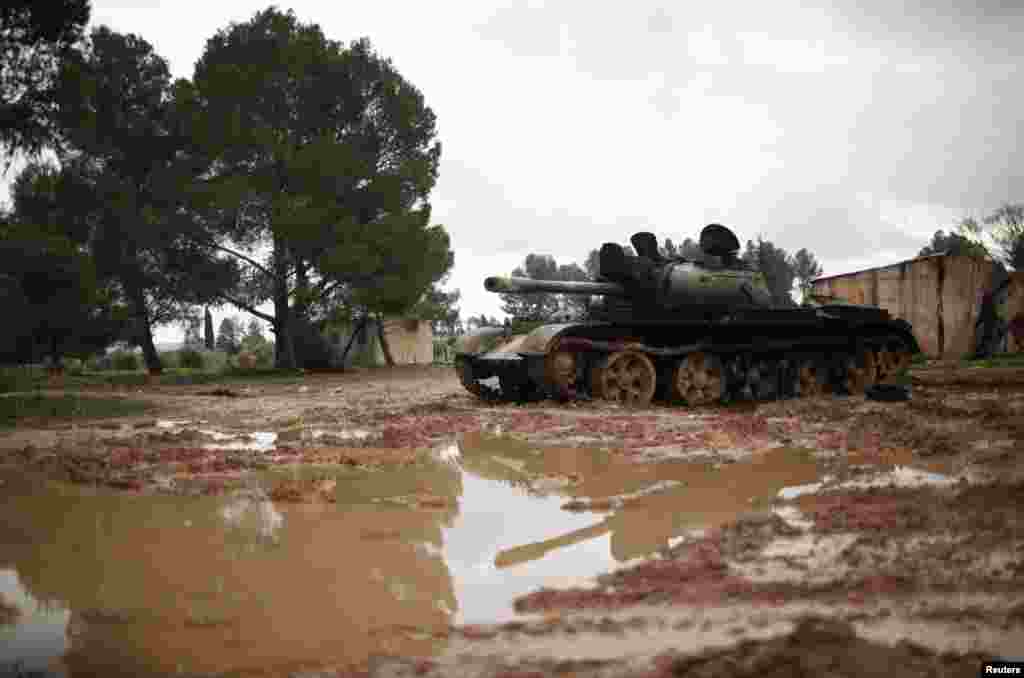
(649, 283)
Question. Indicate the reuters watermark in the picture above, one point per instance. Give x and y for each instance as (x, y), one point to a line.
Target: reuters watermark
(1002, 667)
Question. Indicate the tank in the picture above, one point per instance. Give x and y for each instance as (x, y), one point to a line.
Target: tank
(687, 331)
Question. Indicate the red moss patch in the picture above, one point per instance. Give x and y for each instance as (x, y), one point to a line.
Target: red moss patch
(476, 632)
(533, 422)
(744, 425)
(182, 454)
(699, 576)
(419, 431)
(861, 512)
(126, 456)
(424, 666)
(831, 440)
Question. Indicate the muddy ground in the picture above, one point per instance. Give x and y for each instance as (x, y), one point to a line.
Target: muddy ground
(384, 522)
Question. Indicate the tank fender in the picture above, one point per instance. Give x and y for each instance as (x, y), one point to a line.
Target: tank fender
(539, 341)
(480, 340)
(894, 327)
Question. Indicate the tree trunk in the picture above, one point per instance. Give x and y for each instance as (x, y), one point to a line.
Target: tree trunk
(284, 347)
(384, 342)
(300, 309)
(359, 328)
(54, 352)
(144, 332)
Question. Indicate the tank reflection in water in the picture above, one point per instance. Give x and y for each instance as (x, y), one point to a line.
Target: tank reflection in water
(145, 585)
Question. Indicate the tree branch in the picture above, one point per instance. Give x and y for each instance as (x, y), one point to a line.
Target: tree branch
(326, 285)
(241, 256)
(249, 309)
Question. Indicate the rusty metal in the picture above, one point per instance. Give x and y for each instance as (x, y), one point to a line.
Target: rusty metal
(813, 378)
(627, 377)
(861, 371)
(560, 370)
(698, 379)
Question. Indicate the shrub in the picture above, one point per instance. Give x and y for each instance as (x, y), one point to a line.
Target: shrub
(215, 361)
(259, 347)
(169, 359)
(99, 363)
(73, 366)
(190, 358)
(124, 360)
(18, 378)
(265, 355)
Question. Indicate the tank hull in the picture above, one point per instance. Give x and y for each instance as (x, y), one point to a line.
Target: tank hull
(750, 353)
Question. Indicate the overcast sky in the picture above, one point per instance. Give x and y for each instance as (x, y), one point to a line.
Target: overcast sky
(853, 129)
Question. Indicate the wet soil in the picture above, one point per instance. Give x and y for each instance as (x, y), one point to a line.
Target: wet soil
(385, 522)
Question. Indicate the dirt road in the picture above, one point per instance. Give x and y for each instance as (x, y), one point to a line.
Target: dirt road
(386, 523)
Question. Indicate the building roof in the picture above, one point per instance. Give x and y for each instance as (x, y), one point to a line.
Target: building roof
(879, 268)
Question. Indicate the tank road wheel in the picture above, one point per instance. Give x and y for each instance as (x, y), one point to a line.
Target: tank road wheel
(812, 378)
(560, 372)
(892, 358)
(627, 377)
(698, 379)
(861, 371)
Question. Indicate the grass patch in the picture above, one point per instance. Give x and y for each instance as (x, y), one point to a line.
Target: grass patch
(37, 405)
(20, 377)
(29, 379)
(1002, 360)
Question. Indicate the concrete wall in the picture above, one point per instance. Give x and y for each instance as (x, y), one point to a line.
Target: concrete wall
(939, 296)
(411, 343)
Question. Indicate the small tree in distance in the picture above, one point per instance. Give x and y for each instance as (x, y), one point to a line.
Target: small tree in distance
(254, 329)
(208, 330)
(229, 337)
(806, 268)
(191, 323)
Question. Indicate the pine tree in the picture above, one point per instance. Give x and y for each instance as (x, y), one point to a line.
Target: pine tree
(208, 331)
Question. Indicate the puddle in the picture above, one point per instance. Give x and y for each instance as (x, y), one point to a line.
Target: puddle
(900, 476)
(794, 491)
(154, 585)
(264, 441)
(261, 441)
(903, 476)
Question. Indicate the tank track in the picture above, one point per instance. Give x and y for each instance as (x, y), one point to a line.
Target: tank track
(698, 374)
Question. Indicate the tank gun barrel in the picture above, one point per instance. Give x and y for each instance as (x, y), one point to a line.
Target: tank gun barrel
(514, 285)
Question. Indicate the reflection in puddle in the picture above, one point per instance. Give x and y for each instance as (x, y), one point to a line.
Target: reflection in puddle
(158, 584)
(255, 513)
(898, 477)
(38, 637)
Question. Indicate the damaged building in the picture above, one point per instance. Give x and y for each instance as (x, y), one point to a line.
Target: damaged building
(959, 306)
